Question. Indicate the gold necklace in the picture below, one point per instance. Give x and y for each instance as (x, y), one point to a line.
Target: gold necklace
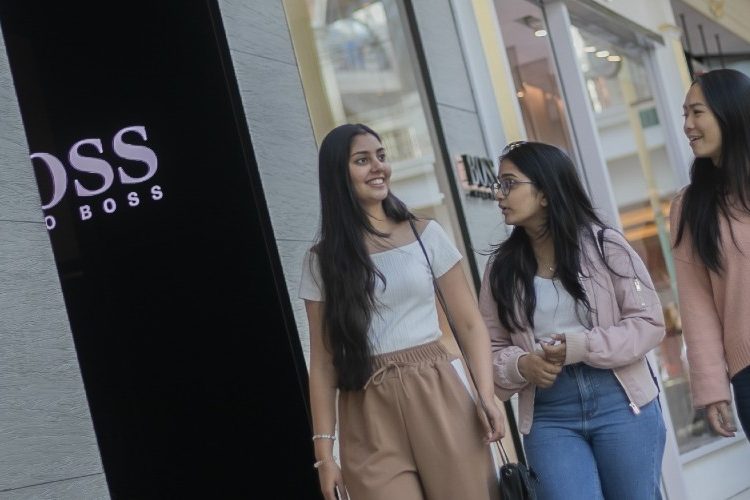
(549, 268)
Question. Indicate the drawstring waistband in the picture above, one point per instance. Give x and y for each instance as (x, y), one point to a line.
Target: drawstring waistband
(379, 375)
(405, 358)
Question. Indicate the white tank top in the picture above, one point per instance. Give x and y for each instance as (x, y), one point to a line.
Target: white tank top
(555, 309)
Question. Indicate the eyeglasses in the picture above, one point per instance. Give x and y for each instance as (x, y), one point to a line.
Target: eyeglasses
(505, 185)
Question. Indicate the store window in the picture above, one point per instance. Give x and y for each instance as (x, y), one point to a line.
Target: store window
(356, 64)
(533, 68)
(643, 182)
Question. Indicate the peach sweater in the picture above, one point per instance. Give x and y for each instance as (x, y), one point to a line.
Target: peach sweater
(715, 308)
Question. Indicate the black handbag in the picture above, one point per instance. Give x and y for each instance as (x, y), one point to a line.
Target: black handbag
(516, 481)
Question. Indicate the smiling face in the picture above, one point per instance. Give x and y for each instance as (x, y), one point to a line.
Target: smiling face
(701, 126)
(369, 171)
(524, 205)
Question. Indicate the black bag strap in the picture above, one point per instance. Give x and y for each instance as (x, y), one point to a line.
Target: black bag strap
(444, 305)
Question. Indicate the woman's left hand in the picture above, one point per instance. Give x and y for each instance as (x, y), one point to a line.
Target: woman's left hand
(720, 417)
(555, 353)
(495, 419)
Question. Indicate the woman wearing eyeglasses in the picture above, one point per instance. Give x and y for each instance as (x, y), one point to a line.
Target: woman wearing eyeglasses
(572, 312)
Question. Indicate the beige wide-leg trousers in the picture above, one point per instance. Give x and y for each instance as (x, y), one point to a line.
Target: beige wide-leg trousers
(414, 433)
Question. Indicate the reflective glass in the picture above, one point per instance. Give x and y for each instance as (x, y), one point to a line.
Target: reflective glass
(533, 68)
(356, 68)
(644, 183)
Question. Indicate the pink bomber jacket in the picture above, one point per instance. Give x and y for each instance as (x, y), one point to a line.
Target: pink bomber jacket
(627, 321)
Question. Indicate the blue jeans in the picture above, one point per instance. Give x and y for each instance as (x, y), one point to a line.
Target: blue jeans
(741, 384)
(585, 441)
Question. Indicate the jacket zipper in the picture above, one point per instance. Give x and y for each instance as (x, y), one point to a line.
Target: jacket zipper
(638, 294)
(633, 407)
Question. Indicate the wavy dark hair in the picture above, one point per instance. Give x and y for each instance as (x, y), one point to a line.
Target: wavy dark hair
(727, 93)
(570, 218)
(346, 269)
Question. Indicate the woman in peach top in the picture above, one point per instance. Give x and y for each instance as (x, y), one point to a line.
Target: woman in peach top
(711, 238)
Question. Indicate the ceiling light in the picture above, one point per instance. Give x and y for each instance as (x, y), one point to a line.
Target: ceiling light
(589, 49)
(520, 93)
(614, 59)
(540, 33)
(602, 53)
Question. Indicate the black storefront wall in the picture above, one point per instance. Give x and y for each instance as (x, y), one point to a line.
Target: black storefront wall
(187, 346)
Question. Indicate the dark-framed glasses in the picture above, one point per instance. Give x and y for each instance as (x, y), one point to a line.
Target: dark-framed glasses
(505, 185)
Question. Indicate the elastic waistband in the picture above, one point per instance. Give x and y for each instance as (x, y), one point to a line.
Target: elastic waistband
(413, 355)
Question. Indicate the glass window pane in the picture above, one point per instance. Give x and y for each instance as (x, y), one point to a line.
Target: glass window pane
(532, 66)
(356, 68)
(644, 183)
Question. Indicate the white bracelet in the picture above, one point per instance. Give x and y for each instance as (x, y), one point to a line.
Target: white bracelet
(323, 436)
(321, 462)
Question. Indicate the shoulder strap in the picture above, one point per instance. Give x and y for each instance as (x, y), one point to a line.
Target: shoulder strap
(435, 283)
(439, 294)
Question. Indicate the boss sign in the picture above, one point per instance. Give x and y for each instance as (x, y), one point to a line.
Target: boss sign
(100, 174)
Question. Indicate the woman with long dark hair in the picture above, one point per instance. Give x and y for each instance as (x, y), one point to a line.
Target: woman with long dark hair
(572, 312)
(710, 222)
(408, 427)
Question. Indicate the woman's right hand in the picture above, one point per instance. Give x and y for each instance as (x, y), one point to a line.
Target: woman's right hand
(331, 480)
(537, 370)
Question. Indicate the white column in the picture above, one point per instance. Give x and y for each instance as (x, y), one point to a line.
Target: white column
(669, 81)
(671, 465)
(585, 134)
(479, 76)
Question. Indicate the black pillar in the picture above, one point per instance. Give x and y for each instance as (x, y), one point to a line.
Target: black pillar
(171, 278)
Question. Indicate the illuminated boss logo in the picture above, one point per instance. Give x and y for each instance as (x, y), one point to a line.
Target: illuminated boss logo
(103, 170)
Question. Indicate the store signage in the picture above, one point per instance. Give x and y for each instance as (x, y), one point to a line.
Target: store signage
(87, 159)
(476, 175)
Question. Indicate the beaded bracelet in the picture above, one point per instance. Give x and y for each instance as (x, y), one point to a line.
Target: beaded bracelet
(324, 436)
(321, 462)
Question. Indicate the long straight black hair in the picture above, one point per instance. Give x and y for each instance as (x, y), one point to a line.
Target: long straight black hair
(346, 269)
(570, 218)
(711, 187)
